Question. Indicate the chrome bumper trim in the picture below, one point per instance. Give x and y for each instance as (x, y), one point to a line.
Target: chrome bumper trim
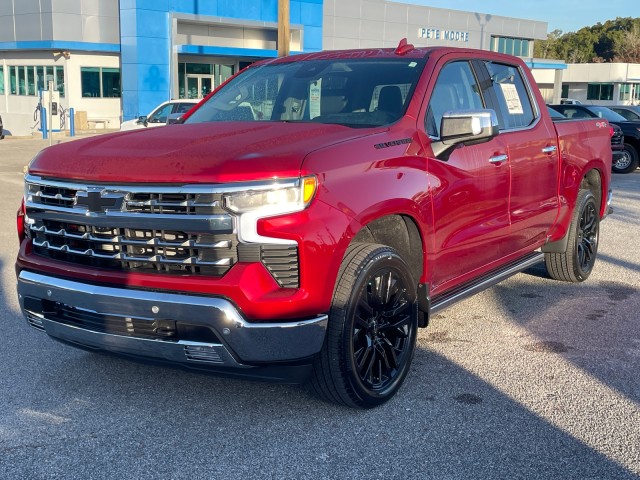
(242, 342)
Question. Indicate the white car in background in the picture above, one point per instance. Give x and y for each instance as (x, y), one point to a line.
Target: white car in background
(159, 115)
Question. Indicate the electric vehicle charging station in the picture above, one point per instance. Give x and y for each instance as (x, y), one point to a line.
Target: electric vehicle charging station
(54, 116)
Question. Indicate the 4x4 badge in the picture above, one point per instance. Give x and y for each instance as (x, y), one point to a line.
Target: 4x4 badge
(96, 201)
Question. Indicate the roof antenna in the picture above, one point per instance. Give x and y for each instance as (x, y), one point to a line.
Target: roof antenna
(403, 47)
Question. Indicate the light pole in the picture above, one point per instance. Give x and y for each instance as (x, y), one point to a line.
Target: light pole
(284, 33)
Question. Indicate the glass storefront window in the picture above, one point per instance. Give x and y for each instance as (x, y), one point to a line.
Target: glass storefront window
(22, 81)
(196, 80)
(600, 91)
(111, 82)
(13, 80)
(100, 82)
(199, 68)
(225, 72)
(31, 80)
(40, 75)
(181, 77)
(512, 46)
(1, 80)
(625, 91)
(90, 80)
(60, 80)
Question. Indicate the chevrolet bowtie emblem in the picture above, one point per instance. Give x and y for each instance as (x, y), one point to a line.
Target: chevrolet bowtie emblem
(95, 200)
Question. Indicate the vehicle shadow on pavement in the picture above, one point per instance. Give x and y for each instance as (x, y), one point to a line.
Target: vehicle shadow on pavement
(122, 417)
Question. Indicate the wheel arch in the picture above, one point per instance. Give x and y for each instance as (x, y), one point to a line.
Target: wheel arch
(634, 142)
(592, 181)
(401, 233)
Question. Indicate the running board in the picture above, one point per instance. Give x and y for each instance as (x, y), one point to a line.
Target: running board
(440, 302)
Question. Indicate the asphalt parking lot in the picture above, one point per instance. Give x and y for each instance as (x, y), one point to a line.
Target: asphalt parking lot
(530, 379)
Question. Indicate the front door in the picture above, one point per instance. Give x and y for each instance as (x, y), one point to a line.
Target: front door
(469, 189)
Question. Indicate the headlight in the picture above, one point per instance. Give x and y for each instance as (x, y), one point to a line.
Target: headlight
(262, 200)
(269, 199)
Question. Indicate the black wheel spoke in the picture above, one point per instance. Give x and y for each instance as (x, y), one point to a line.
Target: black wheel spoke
(364, 305)
(361, 322)
(393, 363)
(587, 238)
(394, 312)
(366, 372)
(362, 355)
(403, 321)
(382, 326)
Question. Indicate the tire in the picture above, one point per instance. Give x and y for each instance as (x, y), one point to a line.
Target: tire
(627, 162)
(576, 263)
(372, 329)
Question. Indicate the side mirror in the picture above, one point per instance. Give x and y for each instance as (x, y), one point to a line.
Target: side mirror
(467, 127)
(142, 119)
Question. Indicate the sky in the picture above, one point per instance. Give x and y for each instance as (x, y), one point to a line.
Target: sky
(565, 15)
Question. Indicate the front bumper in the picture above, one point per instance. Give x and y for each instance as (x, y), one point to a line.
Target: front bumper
(192, 331)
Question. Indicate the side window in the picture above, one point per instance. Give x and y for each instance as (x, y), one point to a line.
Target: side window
(576, 113)
(514, 104)
(161, 114)
(183, 107)
(455, 89)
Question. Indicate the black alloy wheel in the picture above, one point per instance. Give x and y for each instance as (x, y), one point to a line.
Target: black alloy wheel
(587, 238)
(576, 263)
(382, 324)
(372, 329)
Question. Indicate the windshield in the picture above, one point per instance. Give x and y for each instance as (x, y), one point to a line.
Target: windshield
(608, 114)
(351, 92)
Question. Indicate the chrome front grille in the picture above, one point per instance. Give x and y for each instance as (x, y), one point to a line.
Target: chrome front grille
(135, 249)
(189, 200)
(57, 196)
(174, 203)
(148, 229)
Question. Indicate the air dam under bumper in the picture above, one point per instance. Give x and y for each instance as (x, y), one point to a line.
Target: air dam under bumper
(164, 326)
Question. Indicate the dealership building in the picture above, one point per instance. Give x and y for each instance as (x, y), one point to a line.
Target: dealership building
(118, 60)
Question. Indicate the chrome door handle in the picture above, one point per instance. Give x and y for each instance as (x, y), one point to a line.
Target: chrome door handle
(550, 149)
(499, 158)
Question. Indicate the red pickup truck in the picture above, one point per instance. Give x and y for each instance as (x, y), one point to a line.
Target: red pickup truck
(304, 220)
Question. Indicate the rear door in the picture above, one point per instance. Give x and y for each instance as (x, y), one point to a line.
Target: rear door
(530, 142)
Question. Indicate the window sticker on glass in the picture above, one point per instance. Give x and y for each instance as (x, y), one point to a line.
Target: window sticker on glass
(315, 92)
(514, 105)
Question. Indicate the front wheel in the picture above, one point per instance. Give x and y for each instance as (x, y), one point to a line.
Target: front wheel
(372, 329)
(576, 263)
(627, 161)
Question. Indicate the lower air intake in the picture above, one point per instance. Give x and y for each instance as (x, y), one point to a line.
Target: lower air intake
(35, 322)
(199, 353)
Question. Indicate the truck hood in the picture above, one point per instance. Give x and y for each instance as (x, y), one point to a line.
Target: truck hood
(199, 153)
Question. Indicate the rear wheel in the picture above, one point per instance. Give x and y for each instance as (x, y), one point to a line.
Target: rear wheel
(627, 161)
(576, 263)
(372, 330)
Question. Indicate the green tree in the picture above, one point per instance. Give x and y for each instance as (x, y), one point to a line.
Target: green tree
(627, 46)
(548, 48)
(614, 40)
